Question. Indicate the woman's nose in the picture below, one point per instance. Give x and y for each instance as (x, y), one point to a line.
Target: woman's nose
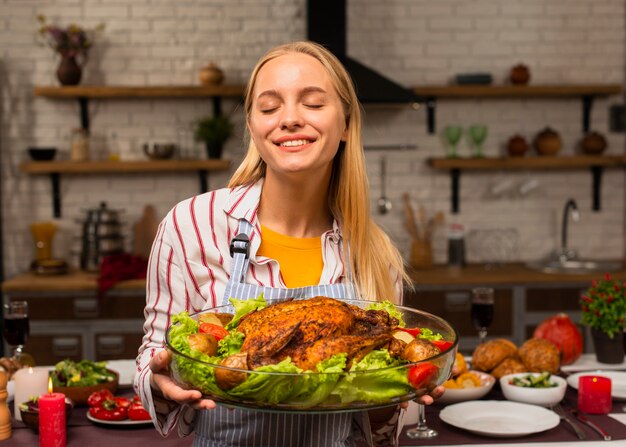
(290, 118)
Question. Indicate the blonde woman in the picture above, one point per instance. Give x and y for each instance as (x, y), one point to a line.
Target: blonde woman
(296, 215)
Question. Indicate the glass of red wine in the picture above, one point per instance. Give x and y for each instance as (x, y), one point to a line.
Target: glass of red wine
(16, 327)
(482, 310)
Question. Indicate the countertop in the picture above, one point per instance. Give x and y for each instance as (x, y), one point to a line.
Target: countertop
(472, 274)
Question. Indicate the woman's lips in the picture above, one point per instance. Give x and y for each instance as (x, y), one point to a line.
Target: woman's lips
(294, 143)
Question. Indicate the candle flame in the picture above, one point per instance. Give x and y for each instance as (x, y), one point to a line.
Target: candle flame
(49, 385)
(595, 379)
(30, 370)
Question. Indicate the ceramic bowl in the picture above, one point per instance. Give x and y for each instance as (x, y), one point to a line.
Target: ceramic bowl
(30, 418)
(159, 151)
(80, 394)
(42, 153)
(544, 397)
(341, 390)
(454, 395)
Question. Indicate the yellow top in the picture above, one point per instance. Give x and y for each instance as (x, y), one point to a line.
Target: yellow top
(300, 259)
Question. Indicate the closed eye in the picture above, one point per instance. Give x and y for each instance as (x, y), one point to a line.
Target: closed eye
(314, 106)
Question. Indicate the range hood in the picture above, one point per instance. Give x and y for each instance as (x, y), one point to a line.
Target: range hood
(327, 25)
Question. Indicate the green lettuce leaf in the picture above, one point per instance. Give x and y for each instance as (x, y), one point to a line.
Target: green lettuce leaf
(270, 388)
(243, 307)
(427, 334)
(315, 388)
(231, 344)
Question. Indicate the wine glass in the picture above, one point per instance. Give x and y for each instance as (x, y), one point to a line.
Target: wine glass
(452, 136)
(16, 326)
(477, 134)
(421, 430)
(482, 310)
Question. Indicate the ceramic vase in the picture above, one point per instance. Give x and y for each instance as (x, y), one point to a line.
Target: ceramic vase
(69, 71)
(608, 350)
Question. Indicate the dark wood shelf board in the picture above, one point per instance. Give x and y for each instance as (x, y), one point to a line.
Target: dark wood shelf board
(166, 91)
(112, 167)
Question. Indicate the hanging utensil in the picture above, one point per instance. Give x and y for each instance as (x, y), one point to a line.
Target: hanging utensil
(384, 204)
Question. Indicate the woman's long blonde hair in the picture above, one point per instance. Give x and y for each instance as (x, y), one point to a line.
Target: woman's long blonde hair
(372, 256)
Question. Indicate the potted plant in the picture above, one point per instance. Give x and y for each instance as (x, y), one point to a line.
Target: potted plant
(603, 310)
(214, 131)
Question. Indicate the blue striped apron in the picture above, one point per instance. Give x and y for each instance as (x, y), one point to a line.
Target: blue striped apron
(222, 427)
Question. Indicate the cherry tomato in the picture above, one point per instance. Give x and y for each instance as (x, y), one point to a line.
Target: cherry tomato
(217, 331)
(421, 375)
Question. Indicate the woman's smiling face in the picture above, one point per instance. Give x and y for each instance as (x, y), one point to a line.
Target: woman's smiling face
(296, 120)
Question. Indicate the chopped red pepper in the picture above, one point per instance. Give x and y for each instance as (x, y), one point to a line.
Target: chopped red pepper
(96, 398)
(109, 411)
(217, 331)
(137, 412)
(422, 375)
(442, 344)
(415, 331)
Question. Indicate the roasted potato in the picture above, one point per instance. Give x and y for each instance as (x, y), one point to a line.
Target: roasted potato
(205, 343)
(419, 349)
(226, 378)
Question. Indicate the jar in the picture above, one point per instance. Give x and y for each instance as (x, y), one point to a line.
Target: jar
(79, 145)
(456, 245)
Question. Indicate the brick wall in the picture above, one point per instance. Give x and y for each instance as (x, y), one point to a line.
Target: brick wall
(413, 41)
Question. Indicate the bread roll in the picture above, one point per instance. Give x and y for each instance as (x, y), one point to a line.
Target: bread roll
(539, 355)
(490, 354)
(509, 365)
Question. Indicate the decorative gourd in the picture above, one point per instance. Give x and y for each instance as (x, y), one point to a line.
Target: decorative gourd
(548, 142)
(561, 331)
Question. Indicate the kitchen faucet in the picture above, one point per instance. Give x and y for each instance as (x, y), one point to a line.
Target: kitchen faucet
(565, 254)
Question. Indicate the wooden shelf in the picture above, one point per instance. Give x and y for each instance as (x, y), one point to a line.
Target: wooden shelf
(517, 91)
(112, 167)
(587, 92)
(56, 168)
(595, 163)
(512, 163)
(168, 91)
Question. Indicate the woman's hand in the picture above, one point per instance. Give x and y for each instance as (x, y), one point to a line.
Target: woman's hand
(428, 399)
(163, 383)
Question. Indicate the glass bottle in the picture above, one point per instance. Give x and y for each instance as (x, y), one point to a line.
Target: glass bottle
(79, 146)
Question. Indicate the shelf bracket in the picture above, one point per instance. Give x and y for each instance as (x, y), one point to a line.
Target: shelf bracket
(55, 179)
(217, 106)
(455, 180)
(204, 184)
(587, 105)
(596, 172)
(431, 106)
(83, 103)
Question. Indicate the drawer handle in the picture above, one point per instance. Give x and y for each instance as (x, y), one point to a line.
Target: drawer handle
(86, 308)
(457, 301)
(110, 345)
(65, 347)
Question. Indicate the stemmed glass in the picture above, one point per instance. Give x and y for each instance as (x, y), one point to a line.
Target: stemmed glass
(421, 430)
(477, 134)
(482, 310)
(16, 327)
(452, 136)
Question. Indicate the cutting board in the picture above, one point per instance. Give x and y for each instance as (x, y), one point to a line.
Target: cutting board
(144, 231)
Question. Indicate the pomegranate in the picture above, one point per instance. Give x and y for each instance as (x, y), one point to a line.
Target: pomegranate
(561, 331)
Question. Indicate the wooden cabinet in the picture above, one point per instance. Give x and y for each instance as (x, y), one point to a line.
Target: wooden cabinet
(69, 320)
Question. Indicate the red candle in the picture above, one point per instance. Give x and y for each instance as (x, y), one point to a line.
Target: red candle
(51, 419)
(594, 394)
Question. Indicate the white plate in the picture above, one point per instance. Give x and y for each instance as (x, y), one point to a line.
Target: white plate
(454, 395)
(125, 423)
(499, 419)
(10, 390)
(618, 381)
(125, 368)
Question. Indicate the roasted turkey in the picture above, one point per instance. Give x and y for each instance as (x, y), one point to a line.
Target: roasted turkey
(313, 330)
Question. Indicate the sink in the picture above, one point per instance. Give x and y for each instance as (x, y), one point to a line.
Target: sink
(574, 266)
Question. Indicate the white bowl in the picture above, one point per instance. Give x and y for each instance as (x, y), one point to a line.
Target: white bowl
(545, 397)
(454, 395)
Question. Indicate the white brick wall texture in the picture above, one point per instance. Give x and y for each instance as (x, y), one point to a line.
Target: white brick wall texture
(415, 42)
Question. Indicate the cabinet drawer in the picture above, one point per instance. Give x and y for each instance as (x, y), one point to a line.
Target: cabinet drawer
(48, 349)
(117, 346)
(454, 306)
(553, 300)
(85, 307)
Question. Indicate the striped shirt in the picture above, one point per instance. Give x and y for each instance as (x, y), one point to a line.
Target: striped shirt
(189, 269)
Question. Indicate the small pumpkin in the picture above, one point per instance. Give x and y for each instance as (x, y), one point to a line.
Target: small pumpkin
(548, 142)
(561, 331)
(520, 74)
(517, 146)
(593, 143)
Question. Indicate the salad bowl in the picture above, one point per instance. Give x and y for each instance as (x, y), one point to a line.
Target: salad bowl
(336, 384)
